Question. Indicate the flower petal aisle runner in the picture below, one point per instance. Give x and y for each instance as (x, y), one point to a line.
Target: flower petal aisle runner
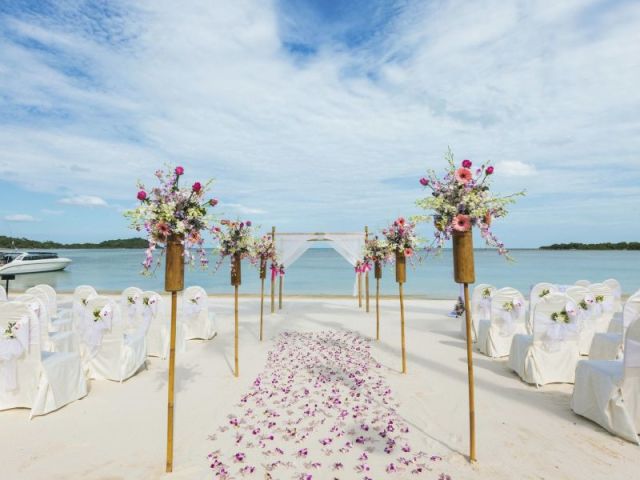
(320, 409)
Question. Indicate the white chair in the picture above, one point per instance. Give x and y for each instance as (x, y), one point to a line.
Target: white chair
(53, 325)
(617, 322)
(50, 342)
(480, 309)
(616, 289)
(131, 307)
(107, 353)
(589, 318)
(197, 319)
(537, 293)
(608, 392)
(3, 294)
(549, 355)
(57, 323)
(80, 298)
(609, 346)
(41, 381)
(507, 319)
(582, 283)
(159, 327)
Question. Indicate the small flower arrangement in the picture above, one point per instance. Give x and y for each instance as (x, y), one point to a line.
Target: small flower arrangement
(169, 210)
(462, 199)
(486, 293)
(401, 237)
(544, 293)
(264, 249)
(376, 250)
(131, 300)
(599, 298)
(511, 305)
(583, 304)
(97, 314)
(561, 317)
(10, 331)
(235, 238)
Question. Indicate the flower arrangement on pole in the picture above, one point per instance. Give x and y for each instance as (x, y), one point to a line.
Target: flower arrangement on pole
(235, 240)
(171, 212)
(463, 199)
(264, 251)
(377, 252)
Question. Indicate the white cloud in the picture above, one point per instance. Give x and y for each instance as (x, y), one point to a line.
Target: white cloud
(242, 209)
(20, 217)
(515, 168)
(84, 201)
(52, 212)
(313, 143)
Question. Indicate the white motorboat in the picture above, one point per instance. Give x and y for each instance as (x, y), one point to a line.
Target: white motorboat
(17, 263)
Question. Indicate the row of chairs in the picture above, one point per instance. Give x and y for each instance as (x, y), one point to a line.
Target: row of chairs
(563, 323)
(89, 337)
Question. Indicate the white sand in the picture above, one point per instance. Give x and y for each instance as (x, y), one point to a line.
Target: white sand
(118, 430)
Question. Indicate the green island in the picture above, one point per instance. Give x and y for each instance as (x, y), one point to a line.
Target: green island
(593, 246)
(27, 244)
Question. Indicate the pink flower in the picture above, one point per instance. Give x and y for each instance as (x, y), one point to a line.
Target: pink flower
(213, 202)
(463, 175)
(248, 223)
(489, 170)
(179, 171)
(163, 229)
(196, 187)
(466, 163)
(424, 182)
(462, 223)
(142, 195)
(408, 252)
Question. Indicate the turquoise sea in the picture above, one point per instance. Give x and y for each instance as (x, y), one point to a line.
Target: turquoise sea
(322, 271)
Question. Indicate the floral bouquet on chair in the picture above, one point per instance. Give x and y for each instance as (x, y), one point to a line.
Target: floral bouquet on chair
(462, 199)
(171, 211)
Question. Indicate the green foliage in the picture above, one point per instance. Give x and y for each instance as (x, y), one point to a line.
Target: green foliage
(593, 246)
(26, 244)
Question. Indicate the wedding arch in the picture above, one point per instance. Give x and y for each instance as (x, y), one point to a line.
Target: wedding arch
(291, 246)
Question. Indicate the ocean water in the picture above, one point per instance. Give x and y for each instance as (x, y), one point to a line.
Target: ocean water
(322, 271)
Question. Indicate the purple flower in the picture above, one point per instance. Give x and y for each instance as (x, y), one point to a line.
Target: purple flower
(424, 181)
(466, 163)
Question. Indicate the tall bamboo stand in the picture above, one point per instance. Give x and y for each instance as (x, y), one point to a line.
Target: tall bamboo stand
(273, 286)
(401, 278)
(366, 274)
(464, 272)
(378, 275)
(174, 282)
(236, 280)
(280, 280)
(263, 275)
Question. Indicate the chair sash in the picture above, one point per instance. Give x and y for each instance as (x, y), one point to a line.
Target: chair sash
(12, 348)
(193, 306)
(507, 322)
(552, 334)
(94, 329)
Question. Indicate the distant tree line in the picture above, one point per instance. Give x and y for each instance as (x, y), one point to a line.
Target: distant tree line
(26, 244)
(593, 246)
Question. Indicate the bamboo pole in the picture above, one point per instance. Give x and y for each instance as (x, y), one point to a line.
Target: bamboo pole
(280, 292)
(359, 276)
(404, 350)
(235, 308)
(472, 411)
(377, 309)
(273, 287)
(366, 274)
(172, 365)
(261, 305)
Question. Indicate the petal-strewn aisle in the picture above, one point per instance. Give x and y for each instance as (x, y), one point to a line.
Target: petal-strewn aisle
(320, 409)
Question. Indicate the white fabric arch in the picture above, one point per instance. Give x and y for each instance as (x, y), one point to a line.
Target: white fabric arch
(291, 246)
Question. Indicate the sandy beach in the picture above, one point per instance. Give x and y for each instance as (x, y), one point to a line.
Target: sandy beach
(118, 430)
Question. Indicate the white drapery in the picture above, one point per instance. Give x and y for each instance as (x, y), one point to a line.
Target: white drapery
(291, 246)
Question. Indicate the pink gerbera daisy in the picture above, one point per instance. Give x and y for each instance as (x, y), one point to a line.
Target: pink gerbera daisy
(462, 223)
(463, 175)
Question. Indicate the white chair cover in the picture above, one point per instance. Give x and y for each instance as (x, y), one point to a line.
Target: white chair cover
(198, 321)
(64, 341)
(52, 325)
(56, 322)
(588, 320)
(480, 309)
(549, 355)
(81, 296)
(131, 308)
(608, 392)
(159, 327)
(609, 346)
(582, 283)
(107, 353)
(43, 381)
(616, 289)
(534, 297)
(495, 335)
(617, 322)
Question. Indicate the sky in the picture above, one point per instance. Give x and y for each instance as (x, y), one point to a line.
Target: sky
(317, 115)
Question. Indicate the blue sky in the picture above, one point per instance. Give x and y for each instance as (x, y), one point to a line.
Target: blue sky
(319, 115)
